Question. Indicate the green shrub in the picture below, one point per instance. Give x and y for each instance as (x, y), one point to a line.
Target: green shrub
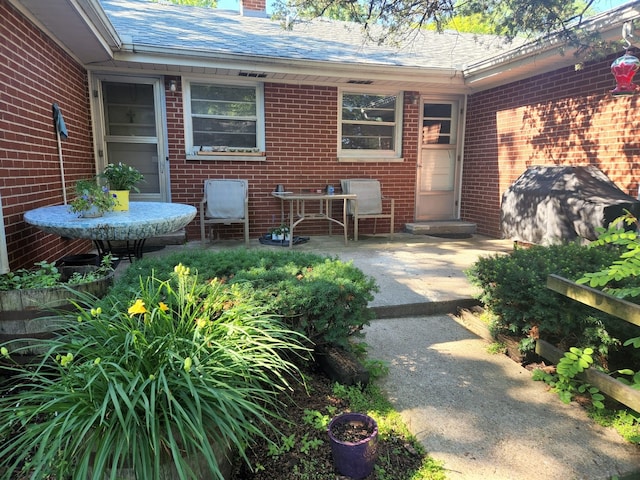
(323, 298)
(160, 376)
(514, 288)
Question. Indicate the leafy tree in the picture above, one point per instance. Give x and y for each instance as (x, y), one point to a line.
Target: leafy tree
(384, 20)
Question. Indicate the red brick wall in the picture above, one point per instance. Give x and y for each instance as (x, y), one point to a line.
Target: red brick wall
(566, 117)
(301, 126)
(34, 73)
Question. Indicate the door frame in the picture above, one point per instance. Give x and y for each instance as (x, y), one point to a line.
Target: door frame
(461, 101)
(95, 80)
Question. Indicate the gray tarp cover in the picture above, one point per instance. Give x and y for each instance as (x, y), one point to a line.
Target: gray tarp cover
(549, 204)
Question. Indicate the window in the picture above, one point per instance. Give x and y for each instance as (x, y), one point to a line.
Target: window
(438, 124)
(371, 125)
(223, 119)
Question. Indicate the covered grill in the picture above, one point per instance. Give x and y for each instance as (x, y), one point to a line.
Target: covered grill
(554, 204)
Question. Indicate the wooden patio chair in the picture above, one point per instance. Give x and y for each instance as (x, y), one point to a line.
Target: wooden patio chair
(370, 203)
(225, 202)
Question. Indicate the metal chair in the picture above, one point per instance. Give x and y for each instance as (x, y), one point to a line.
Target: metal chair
(225, 202)
(369, 204)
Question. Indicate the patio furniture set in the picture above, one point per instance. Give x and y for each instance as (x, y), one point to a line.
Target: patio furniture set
(225, 202)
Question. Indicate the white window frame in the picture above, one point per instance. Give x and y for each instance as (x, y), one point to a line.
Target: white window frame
(349, 155)
(188, 126)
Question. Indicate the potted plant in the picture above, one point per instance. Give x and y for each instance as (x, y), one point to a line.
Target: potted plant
(122, 179)
(280, 233)
(31, 299)
(92, 200)
(169, 381)
(354, 444)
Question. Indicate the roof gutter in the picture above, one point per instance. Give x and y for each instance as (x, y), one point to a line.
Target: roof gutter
(100, 23)
(150, 54)
(504, 68)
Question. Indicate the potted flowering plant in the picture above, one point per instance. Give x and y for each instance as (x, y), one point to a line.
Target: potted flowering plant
(122, 179)
(92, 200)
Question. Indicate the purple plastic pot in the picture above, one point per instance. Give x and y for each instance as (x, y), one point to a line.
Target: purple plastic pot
(354, 459)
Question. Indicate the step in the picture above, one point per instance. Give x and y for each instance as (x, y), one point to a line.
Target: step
(441, 227)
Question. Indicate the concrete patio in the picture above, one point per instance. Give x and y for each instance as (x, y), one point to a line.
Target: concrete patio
(480, 414)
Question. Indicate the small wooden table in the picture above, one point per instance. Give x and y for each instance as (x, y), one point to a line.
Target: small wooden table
(298, 212)
(143, 220)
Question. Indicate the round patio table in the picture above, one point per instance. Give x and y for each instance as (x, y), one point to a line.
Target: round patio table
(143, 220)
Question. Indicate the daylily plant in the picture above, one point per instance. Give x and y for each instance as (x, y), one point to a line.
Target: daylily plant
(181, 370)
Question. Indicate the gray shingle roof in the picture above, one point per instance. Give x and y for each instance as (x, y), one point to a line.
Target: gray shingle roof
(179, 28)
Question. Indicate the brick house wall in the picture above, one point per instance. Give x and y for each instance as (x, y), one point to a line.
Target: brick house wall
(301, 129)
(35, 73)
(566, 117)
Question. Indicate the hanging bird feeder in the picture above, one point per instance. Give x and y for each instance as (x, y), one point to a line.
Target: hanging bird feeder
(625, 67)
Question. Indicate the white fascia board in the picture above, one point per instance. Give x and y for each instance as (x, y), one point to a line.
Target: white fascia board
(546, 54)
(141, 54)
(101, 24)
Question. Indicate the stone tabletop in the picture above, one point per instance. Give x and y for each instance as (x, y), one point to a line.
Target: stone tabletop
(143, 220)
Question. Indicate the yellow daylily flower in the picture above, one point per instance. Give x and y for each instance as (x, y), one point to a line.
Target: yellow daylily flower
(137, 308)
(163, 306)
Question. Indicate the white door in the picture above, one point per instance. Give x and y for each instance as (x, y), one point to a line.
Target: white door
(438, 162)
(130, 129)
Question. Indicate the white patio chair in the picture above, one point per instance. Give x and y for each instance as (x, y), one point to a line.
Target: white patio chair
(369, 204)
(225, 202)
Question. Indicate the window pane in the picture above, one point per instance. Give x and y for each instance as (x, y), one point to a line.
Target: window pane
(130, 109)
(228, 133)
(369, 108)
(367, 137)
(438, 110)
(437, 126)
(224, 116)
(368, 121)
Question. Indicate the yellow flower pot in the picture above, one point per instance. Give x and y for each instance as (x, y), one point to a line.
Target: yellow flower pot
(122, 200)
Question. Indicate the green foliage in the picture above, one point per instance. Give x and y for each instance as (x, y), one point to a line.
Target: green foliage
(626, 422)
(497, 348)
(634, 378)
(472, 23)
(308, 444)
(564, 381)
(323, 298)
(286, 444)
(91, 195)
(122, 177)
(158, 376)
(389, 20)
(514, 288)
(622, 233)
(48, 275)
(316, 419)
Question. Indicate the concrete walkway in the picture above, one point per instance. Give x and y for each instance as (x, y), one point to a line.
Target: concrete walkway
(480, 414)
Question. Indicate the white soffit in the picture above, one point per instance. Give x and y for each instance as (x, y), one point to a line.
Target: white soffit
(80, 27)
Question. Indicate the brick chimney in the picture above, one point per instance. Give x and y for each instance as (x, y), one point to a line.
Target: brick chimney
(253, 8)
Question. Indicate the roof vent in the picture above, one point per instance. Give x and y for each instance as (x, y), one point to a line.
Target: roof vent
(360, 82)
(252, 74)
